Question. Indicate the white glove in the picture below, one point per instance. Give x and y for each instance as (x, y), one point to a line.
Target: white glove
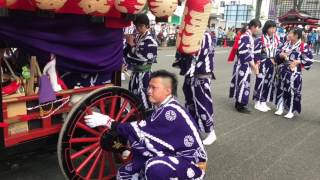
(97, 119)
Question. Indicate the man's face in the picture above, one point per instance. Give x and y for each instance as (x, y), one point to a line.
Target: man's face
(255, 30)
(159, 89)
(141, 28)
(290, 36)
(271, 30)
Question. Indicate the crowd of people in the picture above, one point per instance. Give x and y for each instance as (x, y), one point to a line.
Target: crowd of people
(312, 37)
(222, 34)
(169, 143)
(277, 63)
(314, 41)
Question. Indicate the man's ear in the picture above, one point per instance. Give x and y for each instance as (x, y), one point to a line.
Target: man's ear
(169, 91)
(167, 86)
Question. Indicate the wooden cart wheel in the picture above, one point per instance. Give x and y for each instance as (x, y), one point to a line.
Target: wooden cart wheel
(86, 153)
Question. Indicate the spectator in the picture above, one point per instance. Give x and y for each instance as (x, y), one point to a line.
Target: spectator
(317, 43)
(312, 38)
(281, 32)
(221, 35)
(212, 27)
(153, 31)
(229, 34)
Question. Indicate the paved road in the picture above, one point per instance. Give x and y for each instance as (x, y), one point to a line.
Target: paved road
(249, 147)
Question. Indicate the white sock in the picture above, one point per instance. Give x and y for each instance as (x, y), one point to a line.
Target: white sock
(211, 138)
(257, 103)
(280, 109)
(289, 115)
(265, 106)
(258, 106)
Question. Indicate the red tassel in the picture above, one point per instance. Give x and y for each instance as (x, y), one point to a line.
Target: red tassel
(235, 48)
(232, 55)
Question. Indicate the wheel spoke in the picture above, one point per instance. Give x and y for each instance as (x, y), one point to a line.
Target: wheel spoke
(124, 105)
(81, 151)
(87, 160)
(102, 166)
(88, 111)
(113, 106)
(88, 129)
(102, 106)
(85, 150)
(111, 163)
(128, 115)
(94, 165)
(75, 177)
(83, 140)
(101, 128)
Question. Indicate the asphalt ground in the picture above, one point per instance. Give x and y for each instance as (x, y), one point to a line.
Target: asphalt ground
(259, 146)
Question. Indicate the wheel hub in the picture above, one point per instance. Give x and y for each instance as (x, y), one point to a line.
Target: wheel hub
(110, 141)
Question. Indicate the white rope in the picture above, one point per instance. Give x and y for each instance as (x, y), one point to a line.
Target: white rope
(58, 108)
(41, 105)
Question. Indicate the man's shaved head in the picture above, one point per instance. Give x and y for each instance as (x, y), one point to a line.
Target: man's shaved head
(167, 82)
(168, 79)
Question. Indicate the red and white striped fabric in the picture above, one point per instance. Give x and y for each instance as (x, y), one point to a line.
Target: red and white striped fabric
(162, 8)
(193, 26)
(49, 4)
(10, 2)
(17, 4)
(94, 7)
(130, 6)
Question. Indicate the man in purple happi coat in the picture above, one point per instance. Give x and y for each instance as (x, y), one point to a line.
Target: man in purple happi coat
(164, 146)
(265, 51)
(294, 56)
(197, 87)
(240, 82)
(140, 54)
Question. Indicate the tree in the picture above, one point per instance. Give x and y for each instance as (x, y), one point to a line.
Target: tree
(258, 8)
(297, 4)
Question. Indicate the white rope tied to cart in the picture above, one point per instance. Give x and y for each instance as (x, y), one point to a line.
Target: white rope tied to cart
(65, 101)
(58, 108)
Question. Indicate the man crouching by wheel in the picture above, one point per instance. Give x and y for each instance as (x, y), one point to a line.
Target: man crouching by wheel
(164, 146)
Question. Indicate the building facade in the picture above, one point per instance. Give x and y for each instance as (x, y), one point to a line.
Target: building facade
(224, 12)
(237, 15)
(280, 7)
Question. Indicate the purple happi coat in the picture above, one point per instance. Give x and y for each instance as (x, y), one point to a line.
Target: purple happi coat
(165, 145)
(278, 78)
(139, 59)
(265, 50)
(197, 85)
(240, 82)
(290, 84)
